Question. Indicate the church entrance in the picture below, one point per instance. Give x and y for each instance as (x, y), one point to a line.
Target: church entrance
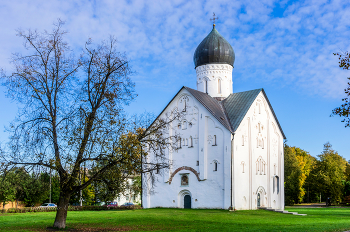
(261, 199)
(187, 202)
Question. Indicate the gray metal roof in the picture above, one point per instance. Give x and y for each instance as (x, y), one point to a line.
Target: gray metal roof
(238, 104)
(214, 49)
(212, 105)
(231, 111)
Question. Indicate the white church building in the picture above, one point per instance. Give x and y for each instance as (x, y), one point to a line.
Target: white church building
(231, 154)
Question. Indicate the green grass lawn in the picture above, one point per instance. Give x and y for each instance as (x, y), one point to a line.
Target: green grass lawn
(319, 219)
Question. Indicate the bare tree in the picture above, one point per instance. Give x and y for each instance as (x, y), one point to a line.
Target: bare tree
(72, 116)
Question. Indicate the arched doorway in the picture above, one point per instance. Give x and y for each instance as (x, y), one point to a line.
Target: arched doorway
(184, 199)
(187, 202)
(261, 200)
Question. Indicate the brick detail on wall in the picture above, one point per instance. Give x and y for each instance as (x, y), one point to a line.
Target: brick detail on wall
(184, 168)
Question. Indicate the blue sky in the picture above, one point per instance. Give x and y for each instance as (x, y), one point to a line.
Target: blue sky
(285, 47)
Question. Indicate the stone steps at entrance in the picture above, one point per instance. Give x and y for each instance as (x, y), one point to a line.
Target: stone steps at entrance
(281, 211)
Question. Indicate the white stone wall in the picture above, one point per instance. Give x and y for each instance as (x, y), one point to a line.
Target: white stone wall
(208, 188)
(209, 77)
(258, 159)
(125, 197)
(128, 195)
(256, 148)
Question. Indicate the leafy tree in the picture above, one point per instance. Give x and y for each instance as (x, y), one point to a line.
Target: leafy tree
(347, 171)
(73, 117)
(108, 185)
(329, 173)
(21, 186)
(344, 109)
(346, 182)
(346, 188)
(18, 178)
(36, 189)
(297, 166)
(55, 189)
(88, 195)
(7, 190)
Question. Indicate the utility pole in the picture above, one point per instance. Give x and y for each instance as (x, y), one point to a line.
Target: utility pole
(50, 186)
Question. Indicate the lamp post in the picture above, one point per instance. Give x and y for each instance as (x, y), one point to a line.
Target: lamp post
(81, 192)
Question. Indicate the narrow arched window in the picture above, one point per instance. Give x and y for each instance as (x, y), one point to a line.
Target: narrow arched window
(206, 86)
(219, 86)
(214, 144)
(180, 142)
(191, 141)
(243, 164)
(262, 143)
(215, 166)
(184, 125)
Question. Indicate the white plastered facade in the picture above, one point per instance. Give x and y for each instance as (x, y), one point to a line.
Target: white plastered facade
(128, 195)
(258, 159)
(207, 188)
(215, 79)
(225, 169)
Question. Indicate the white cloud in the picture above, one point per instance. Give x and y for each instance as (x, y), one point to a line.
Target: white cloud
(293, 49)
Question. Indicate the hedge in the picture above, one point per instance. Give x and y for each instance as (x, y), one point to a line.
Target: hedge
(70, 208)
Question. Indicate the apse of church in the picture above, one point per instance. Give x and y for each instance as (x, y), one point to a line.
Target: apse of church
(230, 151)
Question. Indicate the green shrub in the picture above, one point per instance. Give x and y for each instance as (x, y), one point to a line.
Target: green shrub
(70, 208)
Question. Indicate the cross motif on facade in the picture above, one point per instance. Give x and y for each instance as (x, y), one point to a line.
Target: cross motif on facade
(214, 19)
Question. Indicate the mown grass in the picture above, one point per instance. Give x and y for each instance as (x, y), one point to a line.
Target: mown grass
(317, 219)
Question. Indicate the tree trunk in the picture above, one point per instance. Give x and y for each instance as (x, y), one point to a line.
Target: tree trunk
(62, 208)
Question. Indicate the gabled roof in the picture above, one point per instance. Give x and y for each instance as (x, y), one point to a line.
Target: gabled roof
(231, 111)
(238, 104)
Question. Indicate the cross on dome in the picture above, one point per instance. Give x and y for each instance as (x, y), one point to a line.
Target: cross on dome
(214, 49)
(214, 19)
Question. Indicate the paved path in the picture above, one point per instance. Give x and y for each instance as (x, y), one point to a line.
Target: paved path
(313, 205)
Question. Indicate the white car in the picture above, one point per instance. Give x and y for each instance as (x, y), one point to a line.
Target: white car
(48, 205)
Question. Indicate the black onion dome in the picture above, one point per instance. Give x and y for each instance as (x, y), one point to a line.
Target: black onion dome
(214, 49)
